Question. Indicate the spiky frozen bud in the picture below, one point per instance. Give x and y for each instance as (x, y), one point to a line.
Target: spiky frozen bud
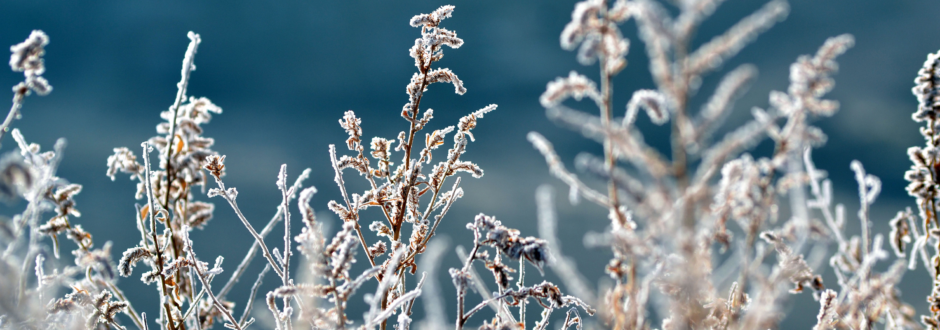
(123, 160)
(927, 89)
(712, 54)
(351, 124)
(444, 75)
(465, 166)
(27, 55)
(54, 226)
(469, 122)
(381, 148)
(216, 166)
(575, 86)
(130, 259)
(435, 139)
(342, 250)
(828, 310)
(433, 19)
(63, 199)
(652, 101)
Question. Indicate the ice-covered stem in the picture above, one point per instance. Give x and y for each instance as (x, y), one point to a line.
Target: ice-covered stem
(264, 233)
(285, 257)
(171, 324)
(188, 67)
(201, 274)
(868, 188)
(214, 165)
(521, 285)
(462, 280)
(354, 212)
(251, 297)
(26, 57)
(823, 196)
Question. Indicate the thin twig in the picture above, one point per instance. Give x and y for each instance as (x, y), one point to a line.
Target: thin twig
(254, 292)
(258, 238)
(264, 232)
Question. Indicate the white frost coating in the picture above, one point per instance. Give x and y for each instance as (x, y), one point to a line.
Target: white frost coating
(575, 85)
(652, 101)
(27, 55)
(713, 54)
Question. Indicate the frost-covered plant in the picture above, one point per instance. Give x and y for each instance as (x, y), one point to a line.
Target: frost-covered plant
(27, 291)
(669, 214)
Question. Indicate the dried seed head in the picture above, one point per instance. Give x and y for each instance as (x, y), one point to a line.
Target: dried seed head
(351, 124)
(433, 19)
(216, 166)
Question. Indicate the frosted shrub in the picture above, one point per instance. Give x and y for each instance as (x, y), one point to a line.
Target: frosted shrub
(669, 215)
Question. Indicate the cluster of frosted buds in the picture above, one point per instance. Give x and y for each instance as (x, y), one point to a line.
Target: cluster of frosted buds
(926, 90)
(426, 50)
(184, 154)
(508, 241)
(29, 175)
(381, 151)
(342, 250)
(594, 26)
(924, 168)
(190, 149)
(26, 57)
(103, 309)
(351, 124)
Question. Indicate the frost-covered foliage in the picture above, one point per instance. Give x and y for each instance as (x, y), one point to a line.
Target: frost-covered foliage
(669, 214)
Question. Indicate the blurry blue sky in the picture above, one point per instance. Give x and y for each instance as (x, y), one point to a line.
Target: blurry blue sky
(285, 71)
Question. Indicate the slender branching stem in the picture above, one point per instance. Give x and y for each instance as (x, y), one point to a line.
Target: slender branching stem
(251, 297)
(18, 97)
(340, 313)
(208, 289)
(171, 324)
(264, 232)
(258, 238)
(195, 302)
(521, 284)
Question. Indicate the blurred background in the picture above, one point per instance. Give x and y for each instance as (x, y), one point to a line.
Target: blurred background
(285, 71)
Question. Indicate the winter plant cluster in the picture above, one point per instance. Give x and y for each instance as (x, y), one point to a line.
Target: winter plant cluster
(708, 237)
